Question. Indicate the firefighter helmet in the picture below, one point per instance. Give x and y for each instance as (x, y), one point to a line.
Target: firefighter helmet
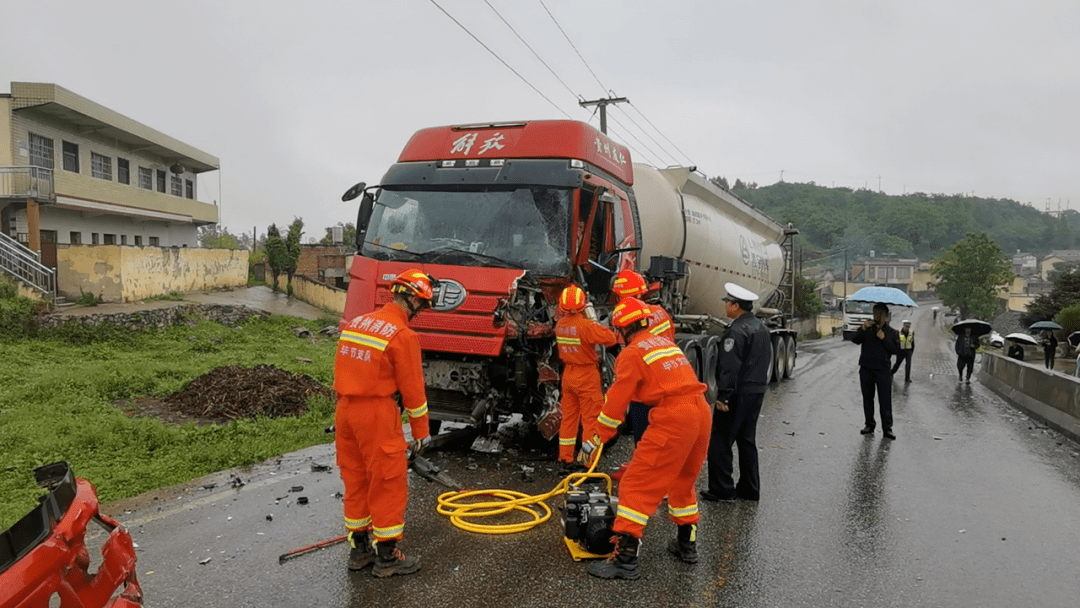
(415, 282)
(572, 299)
(630, 310)
(629, 283)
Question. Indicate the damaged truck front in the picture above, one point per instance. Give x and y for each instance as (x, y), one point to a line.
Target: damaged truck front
(44, 559)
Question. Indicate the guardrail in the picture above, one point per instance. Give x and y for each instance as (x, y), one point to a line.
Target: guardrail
(26, 183)
(25, 265)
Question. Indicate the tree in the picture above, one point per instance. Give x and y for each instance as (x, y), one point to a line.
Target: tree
(969, 275)
(1065, 293)
(292, 250)
(213, 236)
(808, 302)
(348, 236)
(276, 253)
(1069, 319)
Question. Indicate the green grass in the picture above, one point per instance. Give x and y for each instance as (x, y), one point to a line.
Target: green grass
(58, 396)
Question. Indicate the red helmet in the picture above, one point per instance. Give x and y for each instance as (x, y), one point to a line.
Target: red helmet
(572, 299)
(630, 310)
(629, 284)
(414, 282)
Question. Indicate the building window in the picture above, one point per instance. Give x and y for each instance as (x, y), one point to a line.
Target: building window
(41, 151)
(153, 241)
(110, 239)
(94, 238)
(71, 157)
(177, 184)
(146, 178)
(123, 239)
(138, 241)
(123, 171)
(190, 188)
(75, 238)
(903, 273)
(161, 180)
(100, 166)
(892, 272)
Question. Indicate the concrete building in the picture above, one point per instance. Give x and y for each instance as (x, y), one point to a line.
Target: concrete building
(894, 272)
(1056, 259)
(1025, 264)
(73, 172)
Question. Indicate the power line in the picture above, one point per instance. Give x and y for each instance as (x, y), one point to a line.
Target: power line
(572, 46)
(535, 54)
(661, 146)
(496, 55)
(662, 134)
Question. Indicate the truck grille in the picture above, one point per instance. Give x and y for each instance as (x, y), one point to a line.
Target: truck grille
(450, 405)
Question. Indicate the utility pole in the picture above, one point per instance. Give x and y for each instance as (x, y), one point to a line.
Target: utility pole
(603, 103)
(781, 176)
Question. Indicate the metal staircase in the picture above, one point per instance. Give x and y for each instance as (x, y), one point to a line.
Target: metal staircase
(25, 266)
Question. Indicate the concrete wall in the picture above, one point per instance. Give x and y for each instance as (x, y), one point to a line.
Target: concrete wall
(314, 293)
(1050, 396)
(6, 147)
(124, 274)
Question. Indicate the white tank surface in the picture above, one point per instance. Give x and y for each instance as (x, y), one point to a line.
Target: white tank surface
(721, 237)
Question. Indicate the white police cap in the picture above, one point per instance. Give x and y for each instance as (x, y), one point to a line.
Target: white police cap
(738, 294)
(907, 321)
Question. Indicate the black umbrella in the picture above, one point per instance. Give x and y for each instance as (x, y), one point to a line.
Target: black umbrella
(1074, 338)
(1045, 325)
(978, 328)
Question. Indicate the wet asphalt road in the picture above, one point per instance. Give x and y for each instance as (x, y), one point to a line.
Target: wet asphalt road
(975, 504)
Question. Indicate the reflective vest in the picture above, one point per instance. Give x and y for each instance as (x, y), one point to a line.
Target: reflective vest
(907, 341)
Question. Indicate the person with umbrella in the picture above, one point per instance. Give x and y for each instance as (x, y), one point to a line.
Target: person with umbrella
(967, 344)
(1049, 344)
(1016, 351)
(878, 343)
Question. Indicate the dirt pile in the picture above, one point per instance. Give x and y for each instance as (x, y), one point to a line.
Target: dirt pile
(232, 392)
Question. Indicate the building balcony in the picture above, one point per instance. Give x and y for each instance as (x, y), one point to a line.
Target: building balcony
(27, 183)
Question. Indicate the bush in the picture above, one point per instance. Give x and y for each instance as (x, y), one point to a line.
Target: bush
(17, 320)
(8, 289)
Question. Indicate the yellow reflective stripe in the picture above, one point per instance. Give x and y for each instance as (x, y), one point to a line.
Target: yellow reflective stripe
(632, 515)
(661, 328)
(357, 524)
(417, 412)
(567, 440)
(387, 533)
(683, 511)
(606, 420)
(662, 353)
(573, 341)
(364, 340)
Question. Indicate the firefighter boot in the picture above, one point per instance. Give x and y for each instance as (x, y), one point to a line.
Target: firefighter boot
(623, 561)
(684, 545)
(390, 561)
(362, 554)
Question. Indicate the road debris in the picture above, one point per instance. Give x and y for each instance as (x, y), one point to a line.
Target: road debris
(233, 392)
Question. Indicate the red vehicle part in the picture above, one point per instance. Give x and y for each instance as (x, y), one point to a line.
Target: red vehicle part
(45, 555)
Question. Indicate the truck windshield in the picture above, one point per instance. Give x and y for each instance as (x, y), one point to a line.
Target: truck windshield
(859, 308)
(523, 228)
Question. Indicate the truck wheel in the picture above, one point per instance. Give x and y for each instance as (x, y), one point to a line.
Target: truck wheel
(772, 360)
(790, 356)
(692, 350)
(781, 358)
(710, 365)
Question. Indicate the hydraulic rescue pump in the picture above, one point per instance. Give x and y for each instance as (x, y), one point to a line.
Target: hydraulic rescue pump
(587, 517)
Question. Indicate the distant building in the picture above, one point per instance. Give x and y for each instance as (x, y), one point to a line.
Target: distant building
(1050, 262)
(894, 272)
(75, 172)
(1025, 264)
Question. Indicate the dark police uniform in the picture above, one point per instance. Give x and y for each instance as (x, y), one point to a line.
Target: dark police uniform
(875, 372)
(744, 375)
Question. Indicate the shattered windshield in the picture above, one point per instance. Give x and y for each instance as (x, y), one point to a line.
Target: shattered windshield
(514, 228)
(859, 308)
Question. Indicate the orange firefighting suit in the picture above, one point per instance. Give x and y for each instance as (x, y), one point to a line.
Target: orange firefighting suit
(667, 461)
(582, 393)
(377, 356)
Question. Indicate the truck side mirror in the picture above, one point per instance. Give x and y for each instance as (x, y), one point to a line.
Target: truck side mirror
(353, 192)
(363, 216)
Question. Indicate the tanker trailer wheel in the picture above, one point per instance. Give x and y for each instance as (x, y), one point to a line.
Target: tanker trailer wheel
(772, 358)
(710, 366)
(781, 358)
(692, 350)
(790, 356)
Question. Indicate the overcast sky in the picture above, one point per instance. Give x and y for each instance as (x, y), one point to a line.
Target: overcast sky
(300, 100)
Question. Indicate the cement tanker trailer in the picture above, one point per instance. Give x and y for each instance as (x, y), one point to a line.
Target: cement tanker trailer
(506, 215)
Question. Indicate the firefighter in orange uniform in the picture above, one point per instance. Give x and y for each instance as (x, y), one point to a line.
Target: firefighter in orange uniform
(378, 356)
(630, 284)
(581, 390)
(669, 458)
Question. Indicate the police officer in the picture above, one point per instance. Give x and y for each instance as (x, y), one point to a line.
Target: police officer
(907, 349)
(744, 375)
(378, 356)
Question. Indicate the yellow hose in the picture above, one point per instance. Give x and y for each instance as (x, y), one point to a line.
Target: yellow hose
(451, 505)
